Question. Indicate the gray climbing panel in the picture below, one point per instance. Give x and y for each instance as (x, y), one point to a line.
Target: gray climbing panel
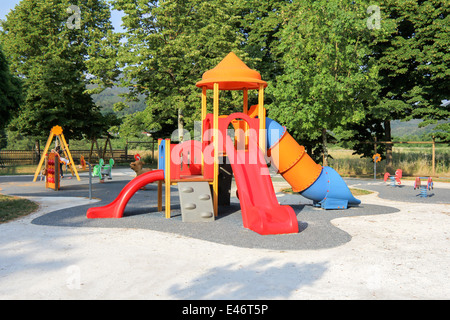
(196, 202)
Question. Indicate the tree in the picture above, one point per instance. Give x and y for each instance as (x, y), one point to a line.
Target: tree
(422, 44)
(260, 22)
(412, 55)
(169, 45)
(328, 78)
(55, 62)
(10, 95)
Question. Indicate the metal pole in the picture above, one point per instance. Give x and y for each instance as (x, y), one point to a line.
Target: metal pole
(90, 181)
(376, 156)
(433, 157)
(375, 169)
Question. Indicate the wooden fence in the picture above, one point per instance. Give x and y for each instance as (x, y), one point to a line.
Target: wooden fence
(12, 157)
(31, 157)
(391, 143)
(24, 157)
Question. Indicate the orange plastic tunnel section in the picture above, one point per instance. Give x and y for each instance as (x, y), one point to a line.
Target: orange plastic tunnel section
(290, 158)
(293, 163)
(323, 185)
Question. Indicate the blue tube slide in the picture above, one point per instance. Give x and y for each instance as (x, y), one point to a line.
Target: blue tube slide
(329, 191)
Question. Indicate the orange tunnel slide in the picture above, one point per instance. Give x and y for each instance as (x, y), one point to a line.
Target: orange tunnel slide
(323, 185)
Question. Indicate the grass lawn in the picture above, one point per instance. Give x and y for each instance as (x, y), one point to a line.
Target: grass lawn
(413, 162)
(31, 169)
(359, 192)
(14, 207)
(354, 191)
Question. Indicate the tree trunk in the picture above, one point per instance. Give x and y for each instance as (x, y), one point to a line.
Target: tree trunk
(324, 147)
(37, 151)
(388, 137)
(180, 125)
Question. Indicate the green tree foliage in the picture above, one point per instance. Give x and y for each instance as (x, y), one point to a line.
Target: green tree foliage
(412, 54)
(420, 78)
(328, 78)
(109, 98)
(56, 60)
(329, 73)
(259, 23)
(169, 45)
(10, 95)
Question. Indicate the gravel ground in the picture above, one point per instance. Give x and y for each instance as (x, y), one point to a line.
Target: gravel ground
(316, 229)
(393, 246)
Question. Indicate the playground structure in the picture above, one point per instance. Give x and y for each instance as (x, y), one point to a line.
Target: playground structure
(194, 165)
(103, 170)
(395, 179)
(52, 170)
(83, 164)
(423, 187)
(138, 165)
(376, 158)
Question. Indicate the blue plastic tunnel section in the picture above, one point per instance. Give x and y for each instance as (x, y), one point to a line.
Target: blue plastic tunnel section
(329, 191)
(162, 156)
(274, 132)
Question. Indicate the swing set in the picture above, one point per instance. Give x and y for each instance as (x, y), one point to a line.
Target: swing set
(57, 132)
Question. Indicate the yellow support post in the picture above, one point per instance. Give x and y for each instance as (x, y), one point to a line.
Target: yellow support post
(204, 112)
(262, 119)
(245, 100)
(67, 152)
(47, 145)
(159, 196)
(159, 182)
(204, 109)
(167, 178)
(245, 111)
(216, 149)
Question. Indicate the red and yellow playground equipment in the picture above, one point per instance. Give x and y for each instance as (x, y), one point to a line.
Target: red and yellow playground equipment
(52, 173)
(193, 163)
(423, 187)
(395, 178)
(52, 160)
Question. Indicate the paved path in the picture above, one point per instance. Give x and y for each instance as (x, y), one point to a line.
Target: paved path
(384, 249)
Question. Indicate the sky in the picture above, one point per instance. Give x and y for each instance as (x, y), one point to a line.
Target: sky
(8, 5)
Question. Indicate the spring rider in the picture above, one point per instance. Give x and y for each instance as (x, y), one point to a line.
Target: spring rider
(395, 178)
(423, 187)
(101, 170)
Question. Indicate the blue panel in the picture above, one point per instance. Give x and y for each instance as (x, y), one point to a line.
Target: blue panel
(330, 191)
(274, 132)
(162, 156)
(318, 190)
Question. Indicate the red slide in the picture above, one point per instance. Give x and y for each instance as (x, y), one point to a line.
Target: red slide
(115, 209)
(261, 211)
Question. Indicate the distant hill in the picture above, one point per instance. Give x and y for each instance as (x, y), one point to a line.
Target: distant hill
(410, 129)
(110, 96)
(402, 130)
